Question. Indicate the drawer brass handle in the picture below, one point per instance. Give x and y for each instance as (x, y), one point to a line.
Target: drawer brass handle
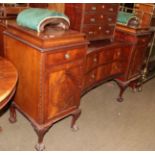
(109, 19)
(107, 31)
(103, 6)
(93, 8)
(93, 76)
(95, 60)
(92, 19)
(67, 56)
(99, 27)
(101, 16)
(111, 9)
(90, 32)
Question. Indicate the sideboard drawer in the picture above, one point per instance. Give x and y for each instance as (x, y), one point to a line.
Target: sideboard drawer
(92, 61)
(143, 40)
(103, 72)
(64, 57)
(106, 56)
(90, 78)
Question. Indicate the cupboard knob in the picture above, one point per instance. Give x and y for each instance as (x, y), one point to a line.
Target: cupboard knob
(93, 8)
(67, 56)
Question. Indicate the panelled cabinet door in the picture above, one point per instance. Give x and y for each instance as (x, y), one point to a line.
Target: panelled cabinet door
(64, 87)
(137, 61)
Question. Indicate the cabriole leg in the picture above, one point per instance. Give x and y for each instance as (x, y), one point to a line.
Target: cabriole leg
(75, 116)
(41, 133)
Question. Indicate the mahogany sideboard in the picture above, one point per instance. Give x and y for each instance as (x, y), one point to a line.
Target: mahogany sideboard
(55, 69)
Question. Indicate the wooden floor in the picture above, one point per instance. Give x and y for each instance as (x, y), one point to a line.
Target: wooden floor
(104, 124)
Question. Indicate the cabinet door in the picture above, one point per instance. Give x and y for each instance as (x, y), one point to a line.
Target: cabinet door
(64, 89)
(137, 61)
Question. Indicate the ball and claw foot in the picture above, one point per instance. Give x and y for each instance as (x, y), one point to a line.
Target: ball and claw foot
(139, 89)
(12, 120)
(120, 99)
(75, 128)
(40, 147)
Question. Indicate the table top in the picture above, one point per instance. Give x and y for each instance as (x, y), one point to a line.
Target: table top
(8, 80)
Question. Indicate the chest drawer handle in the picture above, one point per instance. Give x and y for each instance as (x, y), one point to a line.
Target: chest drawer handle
(90, 32)
(93, 8)
(101, 16)
(67, 56)
(92, 19)
(95, 60)
(103, 6)
(93, 76)
(107, 31)
(109, 19)
(99, 27)
(111, 9)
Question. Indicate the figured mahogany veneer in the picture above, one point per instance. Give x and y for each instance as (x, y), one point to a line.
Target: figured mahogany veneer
(51, 69)
(134, 56)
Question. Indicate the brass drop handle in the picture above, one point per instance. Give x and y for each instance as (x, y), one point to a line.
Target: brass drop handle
(93, 8)
(92, 19)
(103, 6)
(67, 56)
(99, 27)
(95, 60)
(109, 19)
(107, 31)
(111, 9)
(93, 76)
(90, 32)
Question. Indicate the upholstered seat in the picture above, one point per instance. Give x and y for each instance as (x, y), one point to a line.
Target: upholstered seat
(37, 19)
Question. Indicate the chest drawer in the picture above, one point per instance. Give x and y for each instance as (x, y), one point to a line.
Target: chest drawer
(65, 56)
(143, 40)
(101, 7)
(100, 18)
(96, 31)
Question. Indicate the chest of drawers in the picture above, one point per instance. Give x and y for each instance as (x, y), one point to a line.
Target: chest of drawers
(96, 20)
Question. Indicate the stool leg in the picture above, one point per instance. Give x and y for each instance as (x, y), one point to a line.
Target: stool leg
(12, 117)
(75, 116)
